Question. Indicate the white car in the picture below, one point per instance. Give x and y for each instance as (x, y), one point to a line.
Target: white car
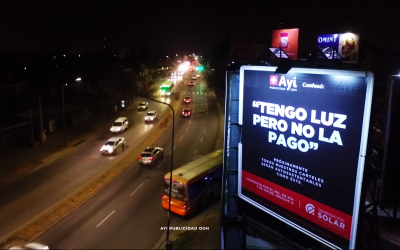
(198, 76)
(32, 245)
(119, 125)
(113, 145)
(150, 155)
(194, 77)
(151, 116)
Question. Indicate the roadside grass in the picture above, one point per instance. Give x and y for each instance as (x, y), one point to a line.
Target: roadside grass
(43, 222)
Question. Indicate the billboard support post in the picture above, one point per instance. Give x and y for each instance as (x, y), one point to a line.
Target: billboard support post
(303, 133)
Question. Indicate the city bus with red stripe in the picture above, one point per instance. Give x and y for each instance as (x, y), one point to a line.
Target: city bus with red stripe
(194, 185)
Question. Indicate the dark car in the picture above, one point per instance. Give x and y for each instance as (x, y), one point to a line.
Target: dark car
(187, 112)
(191, 83)
(187, 99)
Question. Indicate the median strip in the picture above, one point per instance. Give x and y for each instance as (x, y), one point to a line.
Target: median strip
(59, 211)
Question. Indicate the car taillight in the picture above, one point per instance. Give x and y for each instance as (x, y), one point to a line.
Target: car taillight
(184, 205)
(140, 157)
(189, 113)
(163, 197)
(151, 158)
(183, 113)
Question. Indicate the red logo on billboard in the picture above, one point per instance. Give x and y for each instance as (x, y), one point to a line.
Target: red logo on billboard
(273, 80)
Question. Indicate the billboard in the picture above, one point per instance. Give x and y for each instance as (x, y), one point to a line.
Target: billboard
(287, 40)
(346, 44)
(303, 146)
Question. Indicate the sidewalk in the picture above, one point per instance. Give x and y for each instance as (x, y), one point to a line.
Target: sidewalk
(200, 239)
(19, 160)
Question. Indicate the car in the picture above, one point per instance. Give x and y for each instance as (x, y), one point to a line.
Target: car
(143, 106)
(191, 83)
(198, 75)
(120, 125)
(187, 99)
(150, 155)
(170, 79)
(187, 112)
(151, 116)
(194, 77)
(113, 145)
(32, 245)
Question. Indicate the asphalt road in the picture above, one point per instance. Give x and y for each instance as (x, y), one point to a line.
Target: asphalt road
(32, 194)
(128, 213)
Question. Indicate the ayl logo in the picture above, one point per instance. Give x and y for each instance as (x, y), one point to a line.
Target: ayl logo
(283, 83)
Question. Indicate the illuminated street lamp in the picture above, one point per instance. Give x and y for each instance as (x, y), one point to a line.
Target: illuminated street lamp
(78, 79)
(168, 243)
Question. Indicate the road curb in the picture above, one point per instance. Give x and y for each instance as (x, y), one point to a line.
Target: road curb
(13, 238)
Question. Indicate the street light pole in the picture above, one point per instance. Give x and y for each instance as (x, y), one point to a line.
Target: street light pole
(168, 243)
(63, 108)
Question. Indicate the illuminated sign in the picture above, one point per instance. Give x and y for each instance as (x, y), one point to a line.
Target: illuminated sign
(346, 44)
(303, 146)
(287, 40)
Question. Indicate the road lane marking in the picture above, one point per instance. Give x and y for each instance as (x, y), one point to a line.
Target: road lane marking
(105, 218)
(201, 139)
(187, 128)
(174, 147)
(190, 122)
(195, 152)
(205, 130)
(181, 138)
(161, 163)
(138, 188)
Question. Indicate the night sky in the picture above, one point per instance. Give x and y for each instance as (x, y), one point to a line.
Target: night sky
(171, 26)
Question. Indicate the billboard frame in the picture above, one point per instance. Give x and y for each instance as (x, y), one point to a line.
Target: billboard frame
(362, 151)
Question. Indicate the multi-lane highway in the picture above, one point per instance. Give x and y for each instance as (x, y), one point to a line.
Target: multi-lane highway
(128, 213)
(28, 196)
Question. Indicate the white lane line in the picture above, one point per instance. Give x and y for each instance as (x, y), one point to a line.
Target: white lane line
(205, 130)
(105, 219)
(161, 163)
(187, 128)
(137, 188)
(190, 122)
(174, 147)
(181, 138)
(201, 139)
(195, 152)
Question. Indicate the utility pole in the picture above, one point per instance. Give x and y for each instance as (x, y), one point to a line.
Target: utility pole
(41, 121)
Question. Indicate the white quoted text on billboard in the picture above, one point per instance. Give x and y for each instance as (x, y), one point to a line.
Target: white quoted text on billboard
(303, 144)
(299, 114)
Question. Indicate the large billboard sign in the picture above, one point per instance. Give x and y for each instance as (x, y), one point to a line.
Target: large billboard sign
(303, 146)
(287, 40)
(346, 44)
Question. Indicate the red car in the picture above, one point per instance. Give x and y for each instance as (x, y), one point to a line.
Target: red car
(186, 112)
(191, 83)
(187, 99)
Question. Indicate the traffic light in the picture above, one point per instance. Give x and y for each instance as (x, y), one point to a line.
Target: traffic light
(201, 68)
(197, 68)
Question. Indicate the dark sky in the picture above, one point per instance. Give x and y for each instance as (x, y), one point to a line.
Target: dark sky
(185, 25)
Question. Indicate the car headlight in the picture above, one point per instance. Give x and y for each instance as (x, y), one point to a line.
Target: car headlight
(110, 150)
(118, 129)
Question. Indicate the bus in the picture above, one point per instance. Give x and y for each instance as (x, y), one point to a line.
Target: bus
(194, 185)
(166, 89)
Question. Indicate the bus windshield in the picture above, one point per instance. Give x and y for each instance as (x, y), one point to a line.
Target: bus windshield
(177, 190)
